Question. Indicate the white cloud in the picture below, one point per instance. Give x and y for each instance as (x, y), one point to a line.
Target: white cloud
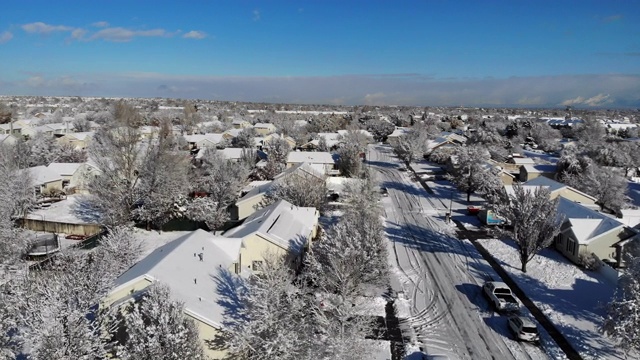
(374, 99)
(5, 37)
(100, 24)
(78, 34)
(42, 28)
(118, 34)
(194, 34)
(256, 15)
(597, 100)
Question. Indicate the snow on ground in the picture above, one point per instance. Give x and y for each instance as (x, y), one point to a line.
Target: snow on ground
(633, 191)
(570, 297)
(380, 349)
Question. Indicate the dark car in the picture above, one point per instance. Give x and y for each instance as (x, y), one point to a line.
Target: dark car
(384, 191)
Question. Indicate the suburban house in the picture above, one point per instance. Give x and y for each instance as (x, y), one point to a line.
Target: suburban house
(331, 139)
(75, 176)
(274, 136)
(585, 231)
(240, 123)
(521, 161)
(559, 189)
(45, 180)
(10, 129)
(392, 139)
(66, 216)
(231, 133)
(235, 154)
(363, 132)
(279, 229)
(8, 139)
(530, 172)
(79, 140)
(446, 139)
(253, 195)
(194, 267)
(320, 160)
(201, 141)
(264, 129)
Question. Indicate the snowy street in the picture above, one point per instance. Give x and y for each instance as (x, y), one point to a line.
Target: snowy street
(440, 276)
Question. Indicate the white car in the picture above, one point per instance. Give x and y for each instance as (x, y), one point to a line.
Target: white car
(523, 328)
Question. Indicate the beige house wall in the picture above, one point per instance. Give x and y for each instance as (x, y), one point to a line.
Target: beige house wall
(81, 178)
(264, 131)
(70, 140)
(247, 207)
(254, 248)
(601, 246)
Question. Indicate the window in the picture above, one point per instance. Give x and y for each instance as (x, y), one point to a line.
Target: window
(571, 246)
(256, 265)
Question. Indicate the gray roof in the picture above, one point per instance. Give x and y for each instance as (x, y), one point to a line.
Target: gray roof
(314, 157)
(176, 265)
(42, 175)
(65, 169)
(586, 224)
(282, 223)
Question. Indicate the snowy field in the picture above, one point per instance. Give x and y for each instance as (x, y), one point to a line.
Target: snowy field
(573, 299)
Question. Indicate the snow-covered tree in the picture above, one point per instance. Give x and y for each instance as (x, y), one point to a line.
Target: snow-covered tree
(380, 129)
(244, 139)
(164, 183)
(275, 321)
(322, 144)
(157, 328)
(534, 218)
(277, 152)
(120, 248)
(412, 145)
(352, 145)
(471, 172)
(623, 312)
(119, 155)
(221, 180)
(304, 190)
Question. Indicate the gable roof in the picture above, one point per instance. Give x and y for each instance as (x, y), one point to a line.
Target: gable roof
(316, 157)
(65, 169)
(176, 264)
(545, 181)
(80, 135)
(42, 175)
(586, 224)
(196, 138)
(264, 126)
(281, 223)
(540, 168)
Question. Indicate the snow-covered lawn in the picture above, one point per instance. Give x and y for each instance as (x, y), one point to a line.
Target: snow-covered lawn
(573, 299)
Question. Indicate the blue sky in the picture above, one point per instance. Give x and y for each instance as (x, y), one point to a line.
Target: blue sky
(501, 53)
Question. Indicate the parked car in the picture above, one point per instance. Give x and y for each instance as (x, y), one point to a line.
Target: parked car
(384, 191)
(523, 328)
(500, 295)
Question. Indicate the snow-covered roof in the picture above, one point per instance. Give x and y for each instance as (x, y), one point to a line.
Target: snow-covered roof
(196, 138)
(64, 169)
(235, 153)
(399, 131)
(316, 157)
(540, 168)
(4, 137)
(586, 224)
(301, 168)
(66, 211)
(7, 127)
(361, 131)
(80, 135)
(177, 265)
(264, 126)
(234, 132)
(545, 181)
(42, 175)
(282, 223)
(523, 161)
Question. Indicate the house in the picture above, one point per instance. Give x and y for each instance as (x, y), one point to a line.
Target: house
(290, 141)
(10, 129)
(521, 161)
(193, 267)
(232, 133)
(530, 172)
(8, 139)
(63, 217)
(254, 195)
(321, 160)
(75, 176)
(559, 189)
(45, 180)
(79, 140)
(279, 229)
(446, 139)
(235, 154)
(264, 129)
(239, 123)
(147, 132)
(201, 141)
(585, 231)
(363, 132)
(392, 139)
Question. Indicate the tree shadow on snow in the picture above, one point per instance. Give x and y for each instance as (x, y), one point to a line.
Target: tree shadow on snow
(84, 209)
